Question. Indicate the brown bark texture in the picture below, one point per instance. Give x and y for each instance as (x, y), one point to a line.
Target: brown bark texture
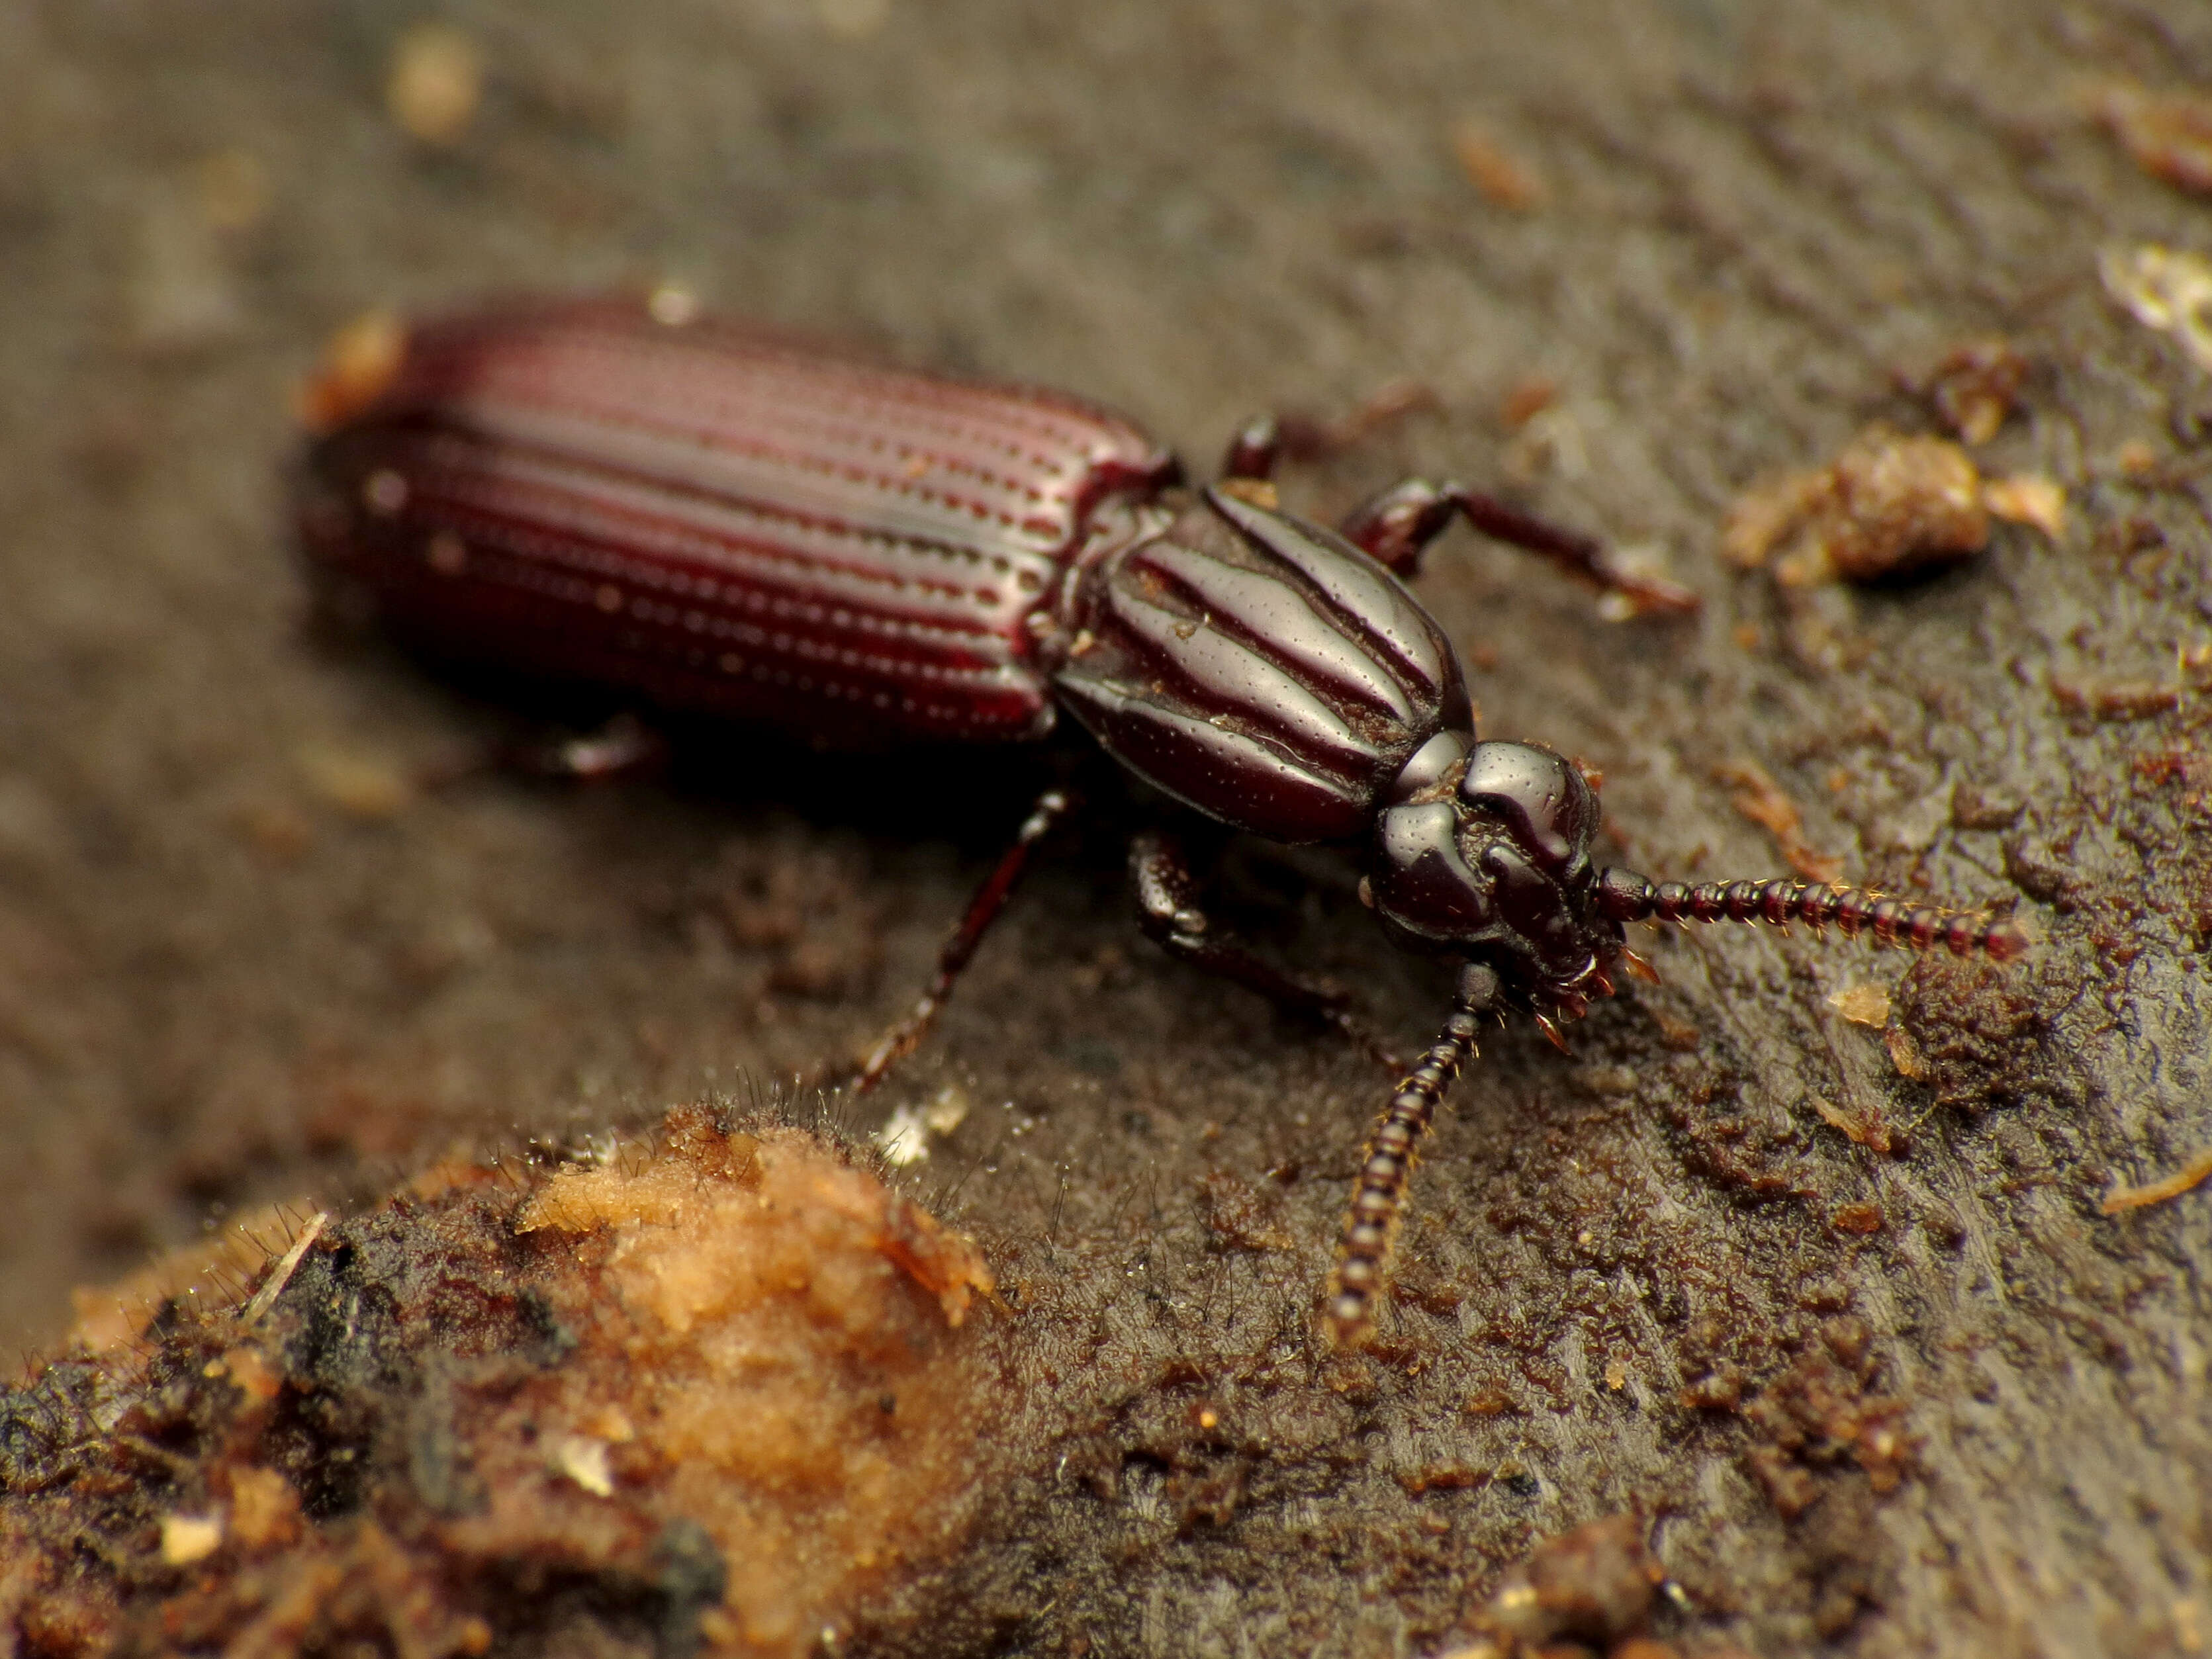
(1801, 1256)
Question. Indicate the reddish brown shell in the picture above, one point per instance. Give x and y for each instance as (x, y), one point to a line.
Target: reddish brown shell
(721, 519)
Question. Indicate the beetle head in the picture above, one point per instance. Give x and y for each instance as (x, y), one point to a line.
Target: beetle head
(1482, 850)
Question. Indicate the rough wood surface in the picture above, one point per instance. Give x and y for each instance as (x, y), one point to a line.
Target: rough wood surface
(1925, 1399)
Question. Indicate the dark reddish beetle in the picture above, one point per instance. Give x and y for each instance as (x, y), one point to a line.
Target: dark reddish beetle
(725, 522)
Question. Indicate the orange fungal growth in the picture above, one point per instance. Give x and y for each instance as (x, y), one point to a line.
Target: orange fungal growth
(729, 1364)
(774, 1330)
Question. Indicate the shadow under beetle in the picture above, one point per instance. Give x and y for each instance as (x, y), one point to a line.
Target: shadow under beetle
(730, 522)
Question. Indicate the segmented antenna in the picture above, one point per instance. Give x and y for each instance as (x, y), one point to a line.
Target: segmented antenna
(1371, 1224)
(1624, 895)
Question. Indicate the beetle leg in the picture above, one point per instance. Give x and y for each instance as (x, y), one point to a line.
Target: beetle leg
(1255, 449)
(624, 748)
(983, 911)
(1396, 527)
(1167, 893)
(1261, 443)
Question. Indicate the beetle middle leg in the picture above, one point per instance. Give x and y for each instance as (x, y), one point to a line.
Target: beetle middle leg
(1167, 892)
(1396, 528)
(1261, 443)
(984, 909)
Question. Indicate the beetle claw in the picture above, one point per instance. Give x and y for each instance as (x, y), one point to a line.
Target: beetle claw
(1638, 966)
(1550, 1029)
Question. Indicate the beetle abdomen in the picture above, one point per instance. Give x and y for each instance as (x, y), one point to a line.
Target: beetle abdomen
(1260, 669)
(720, 519)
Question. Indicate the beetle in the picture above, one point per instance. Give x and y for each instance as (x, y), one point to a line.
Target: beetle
(726, 520)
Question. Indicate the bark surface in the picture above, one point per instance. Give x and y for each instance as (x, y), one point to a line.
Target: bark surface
(1833, 1302)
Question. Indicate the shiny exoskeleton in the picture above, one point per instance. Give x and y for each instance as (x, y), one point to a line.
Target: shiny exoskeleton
(727, 521)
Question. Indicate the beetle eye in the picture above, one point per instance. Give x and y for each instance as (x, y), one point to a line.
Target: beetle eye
(1541, 800)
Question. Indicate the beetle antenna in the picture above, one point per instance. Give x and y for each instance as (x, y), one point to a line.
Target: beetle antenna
(1624, 895)
(1370, 1225)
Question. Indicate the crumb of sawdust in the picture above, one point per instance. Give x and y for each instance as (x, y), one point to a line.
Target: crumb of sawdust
(1888, 503)
(2028, 498)
(264, 1508)
(2135, 458)
(2169, 134)
(189, 1537)
(1866, 1003)
(1594, 1584)
(358, 784)
(435, 83)
(1504, 179)
(1760, 800)
(360, 360)
(1974, 386)
(1859, 1219)
(2164, 289)
(2189, 1177)
(1525, 399)
(1870, 1130)
(1906, 1055)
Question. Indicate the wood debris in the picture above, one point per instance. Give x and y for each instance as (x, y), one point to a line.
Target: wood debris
(2169, 134)
(2033, 499)
(1761, 800)
(2166, 290)
(1862, 1004)
(1504, 179)
(2190, 1175)
(1889, 503)
(1974, 386)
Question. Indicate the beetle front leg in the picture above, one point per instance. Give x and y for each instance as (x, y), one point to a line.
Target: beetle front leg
(1256, 450)
(1260, 444)
(983, 911)
(1167, 892)
(624, 748)
(1397, 527)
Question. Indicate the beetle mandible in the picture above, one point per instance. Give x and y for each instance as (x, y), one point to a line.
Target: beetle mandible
(727, 521)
